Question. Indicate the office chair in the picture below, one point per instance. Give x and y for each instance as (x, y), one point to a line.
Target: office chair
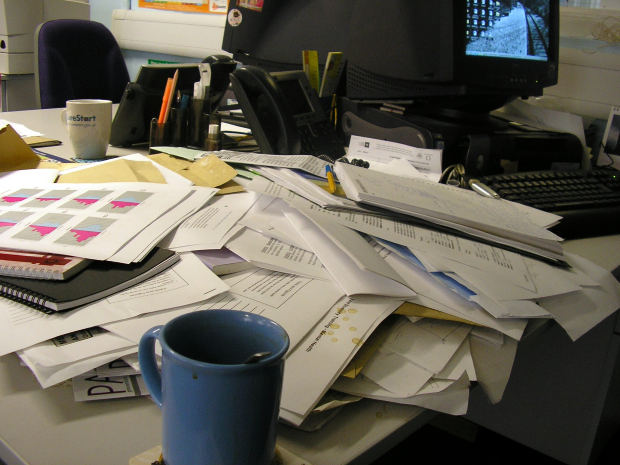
(77, 58)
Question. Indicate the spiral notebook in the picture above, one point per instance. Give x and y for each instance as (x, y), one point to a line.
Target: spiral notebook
(39, 265)
(100, 279)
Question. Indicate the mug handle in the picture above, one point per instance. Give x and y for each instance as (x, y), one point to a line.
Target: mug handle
(63, 116)
(148, 363)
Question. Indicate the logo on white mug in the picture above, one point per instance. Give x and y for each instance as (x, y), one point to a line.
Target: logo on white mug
(82, 119)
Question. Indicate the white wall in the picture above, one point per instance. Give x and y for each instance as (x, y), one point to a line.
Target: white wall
(136, 55)
(589, 73)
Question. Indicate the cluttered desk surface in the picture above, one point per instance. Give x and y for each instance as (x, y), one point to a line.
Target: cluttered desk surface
(462, 306)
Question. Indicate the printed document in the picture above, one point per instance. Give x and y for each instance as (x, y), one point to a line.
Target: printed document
(187, 282)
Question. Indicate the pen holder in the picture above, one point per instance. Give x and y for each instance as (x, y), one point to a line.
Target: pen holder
(178, 127)
(159, 134)
(197, 124)
(213, 141)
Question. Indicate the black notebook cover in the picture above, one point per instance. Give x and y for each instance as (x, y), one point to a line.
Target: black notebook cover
(98, 280)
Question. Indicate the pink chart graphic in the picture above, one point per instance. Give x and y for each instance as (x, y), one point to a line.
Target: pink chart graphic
(86, 200)
(83, 234)
(124, 203)
(43, 229)
(48, 199)
(13, 198)
(7, 224)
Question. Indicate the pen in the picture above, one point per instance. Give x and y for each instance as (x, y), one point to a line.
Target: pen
(173, 86)
(164, 102)
(331, 183)
(483, 189)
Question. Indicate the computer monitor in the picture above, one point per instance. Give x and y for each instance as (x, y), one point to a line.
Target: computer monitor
(272, 33)
(473, 54)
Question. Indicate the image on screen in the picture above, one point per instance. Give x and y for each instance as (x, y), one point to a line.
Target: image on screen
(508, 28)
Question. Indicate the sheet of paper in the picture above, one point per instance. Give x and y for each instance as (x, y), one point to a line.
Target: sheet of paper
(493, 365)
(308, 163)
(154, 233)
(84, 220)
(385, 156)
(450, 397)
(180, 152)
(578, 312)
(303, 187)
(460, 361)
(15, 154)
(188, 281)
(13, 179)
(48, 376)
(482, 217)
(266, 217)
(344, 271)
(209, 171)
(209, 227)
(313, 366)
(395, 373)
(273, 254)
(89, 386)
(495, 260)
(545, 280)
(71, 347)
(427, 343)
(524, 113)
(511, 308)
(295, 302)
(22, 130)
(106, 171)
(118, 367)
(607, 156)
(432, 293)
(116, 170)
(353, 244)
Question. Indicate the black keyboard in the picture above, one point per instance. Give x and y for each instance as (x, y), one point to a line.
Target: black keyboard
(588, 201)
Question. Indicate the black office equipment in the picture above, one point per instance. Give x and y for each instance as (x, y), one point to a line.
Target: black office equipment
(141, 101)
(444, 53)
(448, 63)
(482, 143)
(284, 113)
(588, 201)
(273, 35)
(456, 54)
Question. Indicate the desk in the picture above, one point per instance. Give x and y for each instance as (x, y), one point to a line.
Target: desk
(47, 427)
(48, 122)
(546, 405)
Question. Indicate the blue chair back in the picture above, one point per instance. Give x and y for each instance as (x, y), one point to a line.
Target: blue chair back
(76, 58)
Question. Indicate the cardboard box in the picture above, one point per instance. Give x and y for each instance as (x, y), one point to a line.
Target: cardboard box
(16, 63)
(18, 43)
(20, 16)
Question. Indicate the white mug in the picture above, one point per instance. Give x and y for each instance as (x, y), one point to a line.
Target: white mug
(88, 122)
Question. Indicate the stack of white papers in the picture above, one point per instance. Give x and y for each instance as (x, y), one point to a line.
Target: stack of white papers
(375, 305)
(496, 220)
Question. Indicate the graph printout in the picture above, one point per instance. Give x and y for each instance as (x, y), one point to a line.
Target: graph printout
(84, 220)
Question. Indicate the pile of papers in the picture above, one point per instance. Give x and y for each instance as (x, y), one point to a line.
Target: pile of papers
(376, 303)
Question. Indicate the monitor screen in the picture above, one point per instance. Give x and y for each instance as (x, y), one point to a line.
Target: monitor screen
(507, 30)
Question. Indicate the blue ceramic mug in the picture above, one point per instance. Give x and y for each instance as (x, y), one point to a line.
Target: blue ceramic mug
(219, 405)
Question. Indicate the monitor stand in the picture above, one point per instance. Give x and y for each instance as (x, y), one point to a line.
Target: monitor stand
(483, 143)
